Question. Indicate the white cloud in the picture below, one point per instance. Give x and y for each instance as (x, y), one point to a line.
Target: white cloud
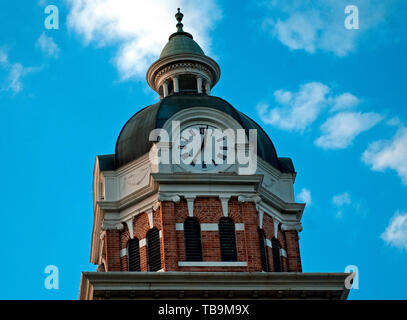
(340, 201)
(139, 29)
(305, 196)
(396, 232)
(345, 101)
(320, 26)
(47, 45)
(14, 73)
(389, 154)
(340, 130)
(394, 122)
(297, 110)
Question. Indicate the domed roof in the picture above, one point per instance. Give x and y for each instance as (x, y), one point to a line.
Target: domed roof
(133, 140)
(181, 42)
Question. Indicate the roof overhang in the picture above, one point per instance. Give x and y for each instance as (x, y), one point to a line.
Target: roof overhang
(221, 285)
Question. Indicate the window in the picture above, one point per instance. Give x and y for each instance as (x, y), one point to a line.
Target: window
(276, 255)
(192, 235)
(263, 251)
(133, 250)
(153, 250)
(227, 239)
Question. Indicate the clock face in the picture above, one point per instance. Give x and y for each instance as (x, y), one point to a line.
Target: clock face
(202, 147)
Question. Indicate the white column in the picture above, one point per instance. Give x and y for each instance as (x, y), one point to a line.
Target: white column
(165, 89)
(176, 85)
(199, 84)
(208, 88)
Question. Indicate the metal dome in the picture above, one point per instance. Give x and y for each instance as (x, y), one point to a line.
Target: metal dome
(133, 140)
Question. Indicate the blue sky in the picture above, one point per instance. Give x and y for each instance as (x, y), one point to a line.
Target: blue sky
(330, 98)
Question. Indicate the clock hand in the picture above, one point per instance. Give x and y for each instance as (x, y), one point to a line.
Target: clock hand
(202, 146)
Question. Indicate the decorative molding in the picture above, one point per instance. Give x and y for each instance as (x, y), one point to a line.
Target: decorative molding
(255, 199)
(276, 223)
(150, 219)
(261, 213)
(129, 224)
(225, 205)
(190, 204)
(292, 226)
(161, 69)
(112, 225)
(156, 206)
(170, 198)
(196, 284)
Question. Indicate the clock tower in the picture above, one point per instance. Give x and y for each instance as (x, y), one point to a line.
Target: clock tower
(195, 202)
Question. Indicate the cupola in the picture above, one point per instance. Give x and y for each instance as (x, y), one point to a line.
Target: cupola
(182, 66)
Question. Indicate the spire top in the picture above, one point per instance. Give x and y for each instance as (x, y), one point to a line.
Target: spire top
(179, 17)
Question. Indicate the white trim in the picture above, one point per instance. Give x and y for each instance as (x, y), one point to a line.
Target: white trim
(123, 252)
(275, 229)
(261, 213)
(150, 219)
(190, 204)
(239, 226)
(130, 227)
(160, 233)
(142, 242)
(283, 253)
(209, 227)
(225, 205)
(269, 243)
(212, 263)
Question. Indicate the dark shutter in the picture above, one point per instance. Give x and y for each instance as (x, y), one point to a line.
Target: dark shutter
(263, 251)
(133, 255)
(227, 239)
(276, 255)
(192, 235)
(153, 250)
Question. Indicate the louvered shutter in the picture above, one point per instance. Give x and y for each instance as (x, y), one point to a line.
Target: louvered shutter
(227, 239)
(193, 245)
(153, 250)
(263, 251)
(134, 255)
(276, 255)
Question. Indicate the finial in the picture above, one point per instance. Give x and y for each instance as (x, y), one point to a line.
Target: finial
(179, 17)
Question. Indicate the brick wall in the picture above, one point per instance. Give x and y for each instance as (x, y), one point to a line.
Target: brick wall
(206, 210)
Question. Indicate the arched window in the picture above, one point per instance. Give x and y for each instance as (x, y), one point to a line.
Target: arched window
(193, 244)
(276, 248)
(227, 239)
(263, 251)
(133, 254)
(153, 250)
